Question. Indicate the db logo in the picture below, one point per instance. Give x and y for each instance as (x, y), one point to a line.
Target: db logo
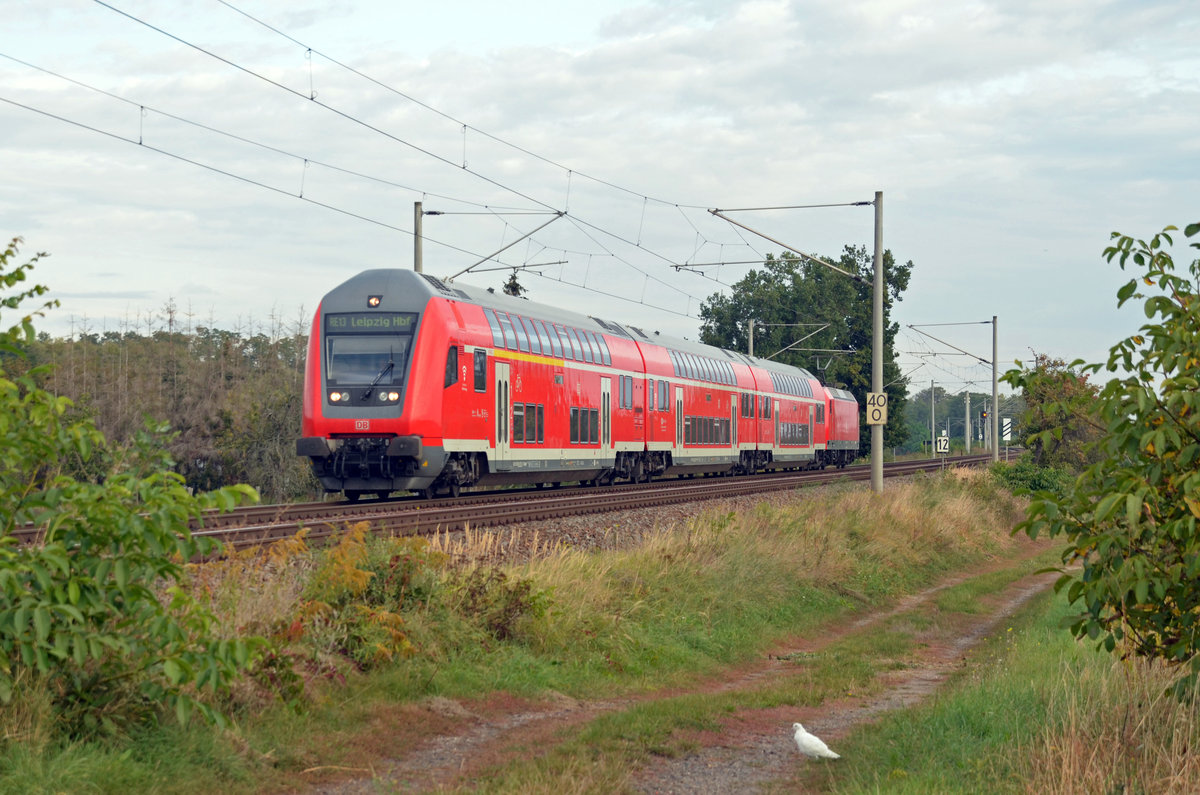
(362, 425)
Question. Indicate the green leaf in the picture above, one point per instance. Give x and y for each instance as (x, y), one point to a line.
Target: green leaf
(1141, 590)
(183, 709)
(41, 623)
(121, 573)
(173, 671)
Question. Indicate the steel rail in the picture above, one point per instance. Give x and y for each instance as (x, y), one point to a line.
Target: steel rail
(263, 524)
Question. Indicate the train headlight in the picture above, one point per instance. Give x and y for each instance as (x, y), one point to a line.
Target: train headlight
(393, 396)
(334, 397)
(382, 396)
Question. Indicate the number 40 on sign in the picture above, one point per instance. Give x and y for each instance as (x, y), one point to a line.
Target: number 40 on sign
(877, 408)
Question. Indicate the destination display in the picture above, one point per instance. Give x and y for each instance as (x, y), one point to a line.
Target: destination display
(395, 322)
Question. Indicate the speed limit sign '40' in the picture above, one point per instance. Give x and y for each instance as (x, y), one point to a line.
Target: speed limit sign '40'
(877, 408)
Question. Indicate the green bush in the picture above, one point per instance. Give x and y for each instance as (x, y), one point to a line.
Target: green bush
(1131, 518)
(95, 612)
(1024, 476)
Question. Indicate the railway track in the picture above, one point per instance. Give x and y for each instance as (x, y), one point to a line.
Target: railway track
(263, 524)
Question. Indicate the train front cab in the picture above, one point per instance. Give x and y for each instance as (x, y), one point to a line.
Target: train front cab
(365, 428)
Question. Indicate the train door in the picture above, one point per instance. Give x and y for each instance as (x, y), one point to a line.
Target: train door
(503, 408)
(606, 414)
(733, 420)
(775, 415)
(678, 420)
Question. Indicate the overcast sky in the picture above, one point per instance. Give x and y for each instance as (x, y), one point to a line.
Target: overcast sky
(240, 159)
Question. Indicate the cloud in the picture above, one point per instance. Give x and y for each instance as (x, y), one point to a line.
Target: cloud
(1009, 139)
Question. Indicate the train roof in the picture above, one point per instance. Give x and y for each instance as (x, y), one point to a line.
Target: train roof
(433, 286)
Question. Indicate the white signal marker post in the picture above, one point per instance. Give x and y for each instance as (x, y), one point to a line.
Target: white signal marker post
(877, 408)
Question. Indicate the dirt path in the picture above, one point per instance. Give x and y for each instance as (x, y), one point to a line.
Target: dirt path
(452, 745)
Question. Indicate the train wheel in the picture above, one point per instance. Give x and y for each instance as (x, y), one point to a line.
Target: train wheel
(428, 493)
(455, 490)
(352, 495)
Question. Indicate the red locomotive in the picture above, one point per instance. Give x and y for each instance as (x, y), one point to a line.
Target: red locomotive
(415, 384)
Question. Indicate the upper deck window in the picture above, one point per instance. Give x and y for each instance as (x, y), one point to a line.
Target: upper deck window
(535, 344)
(494, 325)
(549, 344)
(510, 336)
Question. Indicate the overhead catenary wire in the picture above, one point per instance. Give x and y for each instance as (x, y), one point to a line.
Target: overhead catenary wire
(350, 117)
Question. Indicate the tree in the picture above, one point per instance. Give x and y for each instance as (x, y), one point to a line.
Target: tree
(1131, 518)
(513, 287)
(1059, 422)
(81, 610)
(789, 290)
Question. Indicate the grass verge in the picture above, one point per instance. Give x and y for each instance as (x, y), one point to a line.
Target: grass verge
(1035, 712)
(378, 628)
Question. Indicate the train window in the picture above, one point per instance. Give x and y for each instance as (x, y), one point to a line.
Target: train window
(627, 392)
(650, 393)
(510, 336)
(589, 345)
(821, 413)
(566, 342)
(363, 358)
(480, 371)
(577, 346)
(518, 423)
(549, 346)
(674, 363)
(494, 325)
(594, 338)
(535, 345)
(522, 340)
(594, 426)
(663, 399)
(606, 356)
(710, 369)
(589, 353)
(687, 430)
(451, 366)
(541, 423)
(574, 425)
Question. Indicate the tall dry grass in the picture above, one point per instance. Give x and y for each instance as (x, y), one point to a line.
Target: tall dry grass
(1115, 729)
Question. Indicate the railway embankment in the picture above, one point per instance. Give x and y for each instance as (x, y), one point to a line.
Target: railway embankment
(654, 651)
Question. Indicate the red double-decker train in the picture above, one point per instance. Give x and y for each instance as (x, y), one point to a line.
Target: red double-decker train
(416, 384)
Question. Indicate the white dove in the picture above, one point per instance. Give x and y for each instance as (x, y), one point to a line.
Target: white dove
(812, 745)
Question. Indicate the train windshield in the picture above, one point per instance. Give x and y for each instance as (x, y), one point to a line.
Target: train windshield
(366, 359)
